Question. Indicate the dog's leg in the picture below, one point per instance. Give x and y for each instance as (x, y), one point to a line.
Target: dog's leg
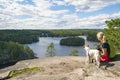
(93, 61)
(90, 59)
(98, 62)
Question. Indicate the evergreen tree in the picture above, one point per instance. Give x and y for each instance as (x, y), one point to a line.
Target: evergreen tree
(113, 35)
(50, 52)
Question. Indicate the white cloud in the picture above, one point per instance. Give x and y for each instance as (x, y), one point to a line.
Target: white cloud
(91, 5)
(73, 21)
(4, 17)
(58, 2)
(42, 17)
(65, 22)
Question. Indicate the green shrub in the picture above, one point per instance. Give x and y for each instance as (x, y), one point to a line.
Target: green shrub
(112, 34)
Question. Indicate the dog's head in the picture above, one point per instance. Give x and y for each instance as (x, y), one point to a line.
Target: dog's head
(86, 47)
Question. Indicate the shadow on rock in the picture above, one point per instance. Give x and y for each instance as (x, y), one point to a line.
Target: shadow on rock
(7, 64)
(106, 64)
(117, 58)
(109, 64)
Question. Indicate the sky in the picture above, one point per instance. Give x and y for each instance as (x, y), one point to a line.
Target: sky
(57, 14)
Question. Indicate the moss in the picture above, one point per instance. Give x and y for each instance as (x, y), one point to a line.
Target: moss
(16, 72)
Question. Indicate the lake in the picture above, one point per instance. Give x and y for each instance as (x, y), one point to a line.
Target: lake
(39, 48)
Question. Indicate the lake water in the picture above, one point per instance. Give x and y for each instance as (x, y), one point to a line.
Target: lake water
(39, 48)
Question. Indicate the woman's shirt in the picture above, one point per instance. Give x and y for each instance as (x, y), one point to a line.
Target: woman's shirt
(106, 45)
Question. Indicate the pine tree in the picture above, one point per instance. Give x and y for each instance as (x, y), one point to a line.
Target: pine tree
(50, 52)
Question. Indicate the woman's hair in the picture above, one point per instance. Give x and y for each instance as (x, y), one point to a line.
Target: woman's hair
(104, 39)
(100, 34)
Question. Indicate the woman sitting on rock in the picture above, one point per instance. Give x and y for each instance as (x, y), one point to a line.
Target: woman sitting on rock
(104, 47)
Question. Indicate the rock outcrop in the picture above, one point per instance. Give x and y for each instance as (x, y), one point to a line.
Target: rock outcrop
(64, 68)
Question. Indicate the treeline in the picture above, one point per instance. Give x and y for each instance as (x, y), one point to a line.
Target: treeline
(73, 32)
(92, 36)
(89, 33)
(23, 37)
(72, 41)
(29, 36)
(12, 52)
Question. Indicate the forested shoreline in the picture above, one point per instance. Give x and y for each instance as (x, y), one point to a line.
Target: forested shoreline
(30, 36)
(12, 50)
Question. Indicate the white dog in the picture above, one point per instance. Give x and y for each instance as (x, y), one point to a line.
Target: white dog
(92, 54)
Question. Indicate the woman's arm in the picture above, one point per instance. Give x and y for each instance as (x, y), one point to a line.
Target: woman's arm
(104, 51)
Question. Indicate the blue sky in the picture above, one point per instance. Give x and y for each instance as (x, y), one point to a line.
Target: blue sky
(57, 14)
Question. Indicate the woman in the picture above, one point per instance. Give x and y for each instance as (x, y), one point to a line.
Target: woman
(105, 48)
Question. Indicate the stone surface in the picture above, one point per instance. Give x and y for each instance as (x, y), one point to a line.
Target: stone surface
(65, 68)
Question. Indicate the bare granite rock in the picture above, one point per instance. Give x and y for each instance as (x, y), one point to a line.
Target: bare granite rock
(65, 68)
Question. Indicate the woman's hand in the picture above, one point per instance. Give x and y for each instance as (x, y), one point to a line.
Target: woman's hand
(104, 51)
(100, 53)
